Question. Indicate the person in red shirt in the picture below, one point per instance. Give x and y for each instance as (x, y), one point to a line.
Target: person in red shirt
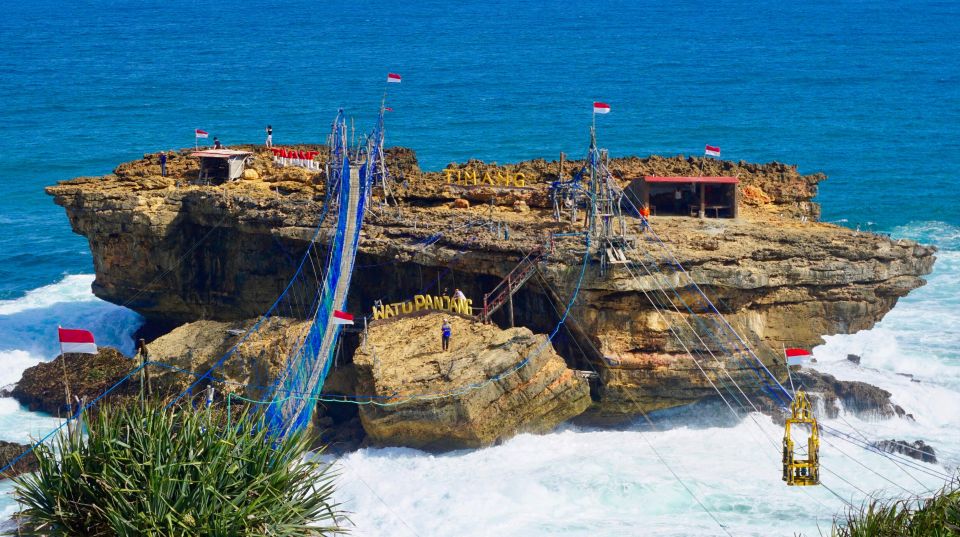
(644, 217)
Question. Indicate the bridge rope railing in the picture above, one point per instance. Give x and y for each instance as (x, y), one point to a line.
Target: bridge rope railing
(299, 297)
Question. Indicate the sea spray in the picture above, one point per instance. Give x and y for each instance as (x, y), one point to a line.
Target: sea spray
(28, 335)
(579, 482)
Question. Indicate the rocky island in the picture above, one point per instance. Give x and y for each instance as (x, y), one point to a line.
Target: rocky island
(201, 262)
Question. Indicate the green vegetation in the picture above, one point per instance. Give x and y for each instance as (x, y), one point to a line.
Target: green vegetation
(151, 471)
(938, 516)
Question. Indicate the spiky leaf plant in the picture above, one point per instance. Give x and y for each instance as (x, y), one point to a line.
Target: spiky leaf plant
(937, 516)
(152, 471)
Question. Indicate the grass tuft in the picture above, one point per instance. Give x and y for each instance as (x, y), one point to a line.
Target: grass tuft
(937, 516)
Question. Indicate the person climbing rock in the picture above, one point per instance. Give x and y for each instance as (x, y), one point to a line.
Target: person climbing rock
(458, 295)
(445, 330)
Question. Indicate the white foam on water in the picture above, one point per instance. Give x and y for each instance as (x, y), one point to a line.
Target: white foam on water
(15, 362)
(582, 482)
(29, 323)
(72, 288)
(28, 336)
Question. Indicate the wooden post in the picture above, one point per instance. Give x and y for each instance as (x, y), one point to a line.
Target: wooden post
(510, 298)
(703, 200)
(141, 352)
(364, 333)
(736, 199)
(560, 167)
(81, 403)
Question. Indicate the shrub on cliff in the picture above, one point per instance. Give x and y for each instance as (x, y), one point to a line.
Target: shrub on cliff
(936, 516)
(153, 471)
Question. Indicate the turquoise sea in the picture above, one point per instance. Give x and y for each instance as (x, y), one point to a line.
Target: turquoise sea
(866, 91)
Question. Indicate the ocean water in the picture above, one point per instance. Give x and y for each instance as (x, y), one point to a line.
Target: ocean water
(867, 92)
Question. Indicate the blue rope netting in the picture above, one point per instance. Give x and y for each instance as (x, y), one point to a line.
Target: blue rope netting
(310, 362)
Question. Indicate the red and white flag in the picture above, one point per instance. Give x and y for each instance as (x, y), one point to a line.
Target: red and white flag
(78, 341)
(712, 150)
(393, 78)
(342, 317)
(601, 108)
(796, 356)
(201, 134)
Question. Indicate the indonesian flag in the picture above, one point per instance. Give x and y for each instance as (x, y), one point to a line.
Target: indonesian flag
(393, 78)
(77, 341)
(201, 134)
(712, 150)
(342, 317)
(796, 356)
(601, 108)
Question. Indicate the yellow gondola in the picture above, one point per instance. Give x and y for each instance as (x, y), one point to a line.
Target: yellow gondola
(801, 472)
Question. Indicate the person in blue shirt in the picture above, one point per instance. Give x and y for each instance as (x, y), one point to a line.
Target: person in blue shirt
(445, 331)
(163, 164)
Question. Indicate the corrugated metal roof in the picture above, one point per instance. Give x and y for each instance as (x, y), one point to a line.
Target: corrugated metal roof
(679, 179)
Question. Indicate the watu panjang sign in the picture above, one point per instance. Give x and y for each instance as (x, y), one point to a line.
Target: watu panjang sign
(475, 178)
(424, 302)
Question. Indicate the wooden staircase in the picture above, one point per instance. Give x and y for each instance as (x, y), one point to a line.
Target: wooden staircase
(503, 293)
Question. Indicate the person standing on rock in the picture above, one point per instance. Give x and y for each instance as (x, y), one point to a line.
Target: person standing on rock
(163, 164)
(269, 136)
(445, 331)
(216, 143)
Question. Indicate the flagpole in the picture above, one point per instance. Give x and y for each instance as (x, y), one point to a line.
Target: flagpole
(66, 383)
(789, 375)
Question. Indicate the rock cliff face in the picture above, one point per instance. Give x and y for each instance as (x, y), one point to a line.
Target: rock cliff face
(402, 357)
(180, 252)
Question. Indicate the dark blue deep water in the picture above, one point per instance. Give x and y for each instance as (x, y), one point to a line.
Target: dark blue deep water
(867, 92)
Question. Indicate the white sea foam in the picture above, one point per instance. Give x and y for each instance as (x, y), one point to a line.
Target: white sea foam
(580, 482)
(72, 288)
(29, 323)
(28, 335)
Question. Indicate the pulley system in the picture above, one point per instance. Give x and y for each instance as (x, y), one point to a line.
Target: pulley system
(594, 191)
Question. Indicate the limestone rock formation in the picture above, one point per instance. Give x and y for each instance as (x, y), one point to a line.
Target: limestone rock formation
(179, 252)
(491, 396)
(10, 451)
(41, 387)
(198, 346)
(856, 397)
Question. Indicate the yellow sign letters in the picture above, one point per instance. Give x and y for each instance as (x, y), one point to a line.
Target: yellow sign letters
(424, 302)
(471, 177)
